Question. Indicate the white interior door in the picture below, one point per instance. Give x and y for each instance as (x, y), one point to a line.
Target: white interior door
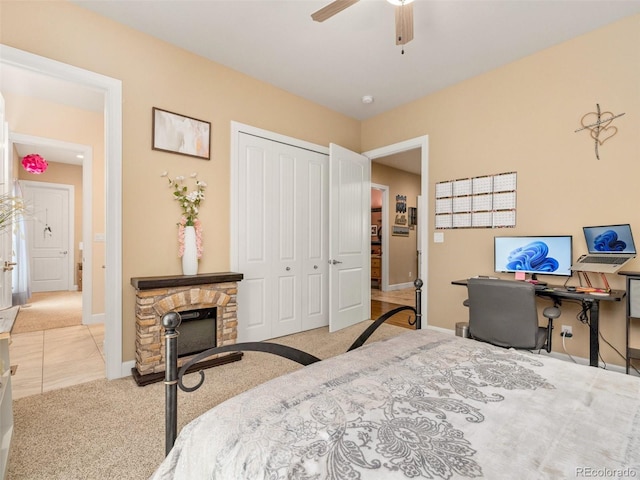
(349, 244)
(282, 238)
(6, 266)
(315, 238)
(49, 229)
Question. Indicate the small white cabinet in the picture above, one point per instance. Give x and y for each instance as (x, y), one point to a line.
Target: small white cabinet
(6, 407)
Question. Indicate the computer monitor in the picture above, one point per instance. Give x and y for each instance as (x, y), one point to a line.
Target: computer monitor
(548, 255)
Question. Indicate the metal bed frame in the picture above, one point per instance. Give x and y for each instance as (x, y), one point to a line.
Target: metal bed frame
(173, 376)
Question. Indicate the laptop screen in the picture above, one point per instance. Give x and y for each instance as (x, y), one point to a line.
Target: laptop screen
(609, 239)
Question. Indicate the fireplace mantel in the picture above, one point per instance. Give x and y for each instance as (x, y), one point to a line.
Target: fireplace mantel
(170, 281)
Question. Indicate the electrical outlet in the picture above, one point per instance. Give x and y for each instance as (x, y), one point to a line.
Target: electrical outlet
(566, 331)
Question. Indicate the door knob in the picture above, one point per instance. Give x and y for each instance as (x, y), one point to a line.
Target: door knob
(288, 268)
(334, 262)
(8, 266)
(315, 267)
(63, 253)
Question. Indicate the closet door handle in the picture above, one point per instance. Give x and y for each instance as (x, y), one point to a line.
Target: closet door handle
(288, 268)
(334, 262)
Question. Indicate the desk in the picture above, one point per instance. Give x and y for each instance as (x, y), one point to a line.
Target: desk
(591, 304)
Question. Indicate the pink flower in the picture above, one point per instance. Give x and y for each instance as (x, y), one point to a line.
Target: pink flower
(34, 163)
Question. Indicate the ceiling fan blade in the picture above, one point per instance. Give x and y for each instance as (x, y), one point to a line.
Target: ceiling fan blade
(330, 10)
(404, 23)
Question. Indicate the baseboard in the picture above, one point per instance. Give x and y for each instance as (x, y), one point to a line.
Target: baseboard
(126, 367)
(96, 318)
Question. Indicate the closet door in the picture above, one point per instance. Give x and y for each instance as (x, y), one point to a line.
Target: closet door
(315, 238)
(282, 236)
(255, 233)
(286, 242)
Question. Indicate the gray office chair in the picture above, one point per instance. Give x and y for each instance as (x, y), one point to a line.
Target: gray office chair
(504, 313)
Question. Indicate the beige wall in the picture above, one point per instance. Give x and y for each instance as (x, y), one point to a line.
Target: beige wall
(155, 74)
(522, 118)
(402, 251)
(39, 118)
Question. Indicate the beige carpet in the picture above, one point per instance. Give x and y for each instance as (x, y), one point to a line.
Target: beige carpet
(47, 310)
(115, 429)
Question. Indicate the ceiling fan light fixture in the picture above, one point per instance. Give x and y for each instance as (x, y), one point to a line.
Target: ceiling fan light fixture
(399, 3)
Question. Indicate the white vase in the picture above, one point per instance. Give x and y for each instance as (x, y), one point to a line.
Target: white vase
(190, 255)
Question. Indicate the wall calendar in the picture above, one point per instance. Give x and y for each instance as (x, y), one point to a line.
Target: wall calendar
(480, 202)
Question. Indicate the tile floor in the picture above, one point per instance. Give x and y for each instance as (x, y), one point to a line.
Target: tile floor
(57, 358)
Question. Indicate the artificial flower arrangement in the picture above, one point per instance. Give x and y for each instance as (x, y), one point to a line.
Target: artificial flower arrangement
(190, 203)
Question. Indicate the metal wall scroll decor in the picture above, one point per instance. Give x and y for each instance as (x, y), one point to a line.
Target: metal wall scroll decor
(599, 125)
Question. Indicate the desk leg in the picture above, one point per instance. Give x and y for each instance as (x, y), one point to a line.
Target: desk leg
(594, 341)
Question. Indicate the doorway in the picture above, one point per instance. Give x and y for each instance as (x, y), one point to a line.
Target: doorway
(110, 92)
(411, 158)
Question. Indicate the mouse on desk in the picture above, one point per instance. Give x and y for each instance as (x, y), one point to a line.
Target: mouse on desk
(571, 289)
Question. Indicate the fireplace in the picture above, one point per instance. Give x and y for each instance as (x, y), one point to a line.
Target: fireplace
(197, 331)
(208, 308)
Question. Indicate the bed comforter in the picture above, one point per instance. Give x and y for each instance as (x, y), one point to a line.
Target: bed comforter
(421, 405)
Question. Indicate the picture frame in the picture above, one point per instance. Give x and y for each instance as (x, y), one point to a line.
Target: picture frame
(400, 231)
(175, 133)
(374, 230)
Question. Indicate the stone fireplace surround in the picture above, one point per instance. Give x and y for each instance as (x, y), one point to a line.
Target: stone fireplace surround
(156, 296)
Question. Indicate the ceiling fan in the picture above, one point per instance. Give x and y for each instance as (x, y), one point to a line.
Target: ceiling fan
(404, 16)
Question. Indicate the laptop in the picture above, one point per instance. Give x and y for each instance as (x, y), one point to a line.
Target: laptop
(609, 246)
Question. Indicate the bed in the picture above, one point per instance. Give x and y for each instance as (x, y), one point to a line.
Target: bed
(424, 404)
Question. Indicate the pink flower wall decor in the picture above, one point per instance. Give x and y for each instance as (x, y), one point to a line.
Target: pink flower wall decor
(34, 163)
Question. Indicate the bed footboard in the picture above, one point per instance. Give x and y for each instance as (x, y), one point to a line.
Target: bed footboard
(173, 377)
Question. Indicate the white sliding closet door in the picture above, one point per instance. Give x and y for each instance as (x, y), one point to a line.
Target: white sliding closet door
(282, 239)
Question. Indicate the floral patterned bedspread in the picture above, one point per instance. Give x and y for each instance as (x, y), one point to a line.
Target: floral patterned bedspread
(421, 405)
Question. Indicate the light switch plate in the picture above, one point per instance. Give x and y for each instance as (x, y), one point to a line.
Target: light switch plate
(438, 237)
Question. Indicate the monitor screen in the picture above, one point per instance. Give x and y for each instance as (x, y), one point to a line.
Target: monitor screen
(548, 255)
(609, 238)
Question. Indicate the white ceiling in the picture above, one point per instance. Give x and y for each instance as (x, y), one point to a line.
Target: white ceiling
(337, 62)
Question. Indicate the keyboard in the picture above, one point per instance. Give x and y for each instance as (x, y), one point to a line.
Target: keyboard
(605, 259)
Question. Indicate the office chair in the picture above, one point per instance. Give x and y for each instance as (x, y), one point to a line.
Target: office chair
(504, 313)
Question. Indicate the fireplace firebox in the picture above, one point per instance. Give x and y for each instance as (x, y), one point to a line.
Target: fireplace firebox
(197, 331)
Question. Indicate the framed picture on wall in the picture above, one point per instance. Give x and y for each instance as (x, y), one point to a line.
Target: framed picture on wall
(400, 231)
(374, 230)
(180, 134)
